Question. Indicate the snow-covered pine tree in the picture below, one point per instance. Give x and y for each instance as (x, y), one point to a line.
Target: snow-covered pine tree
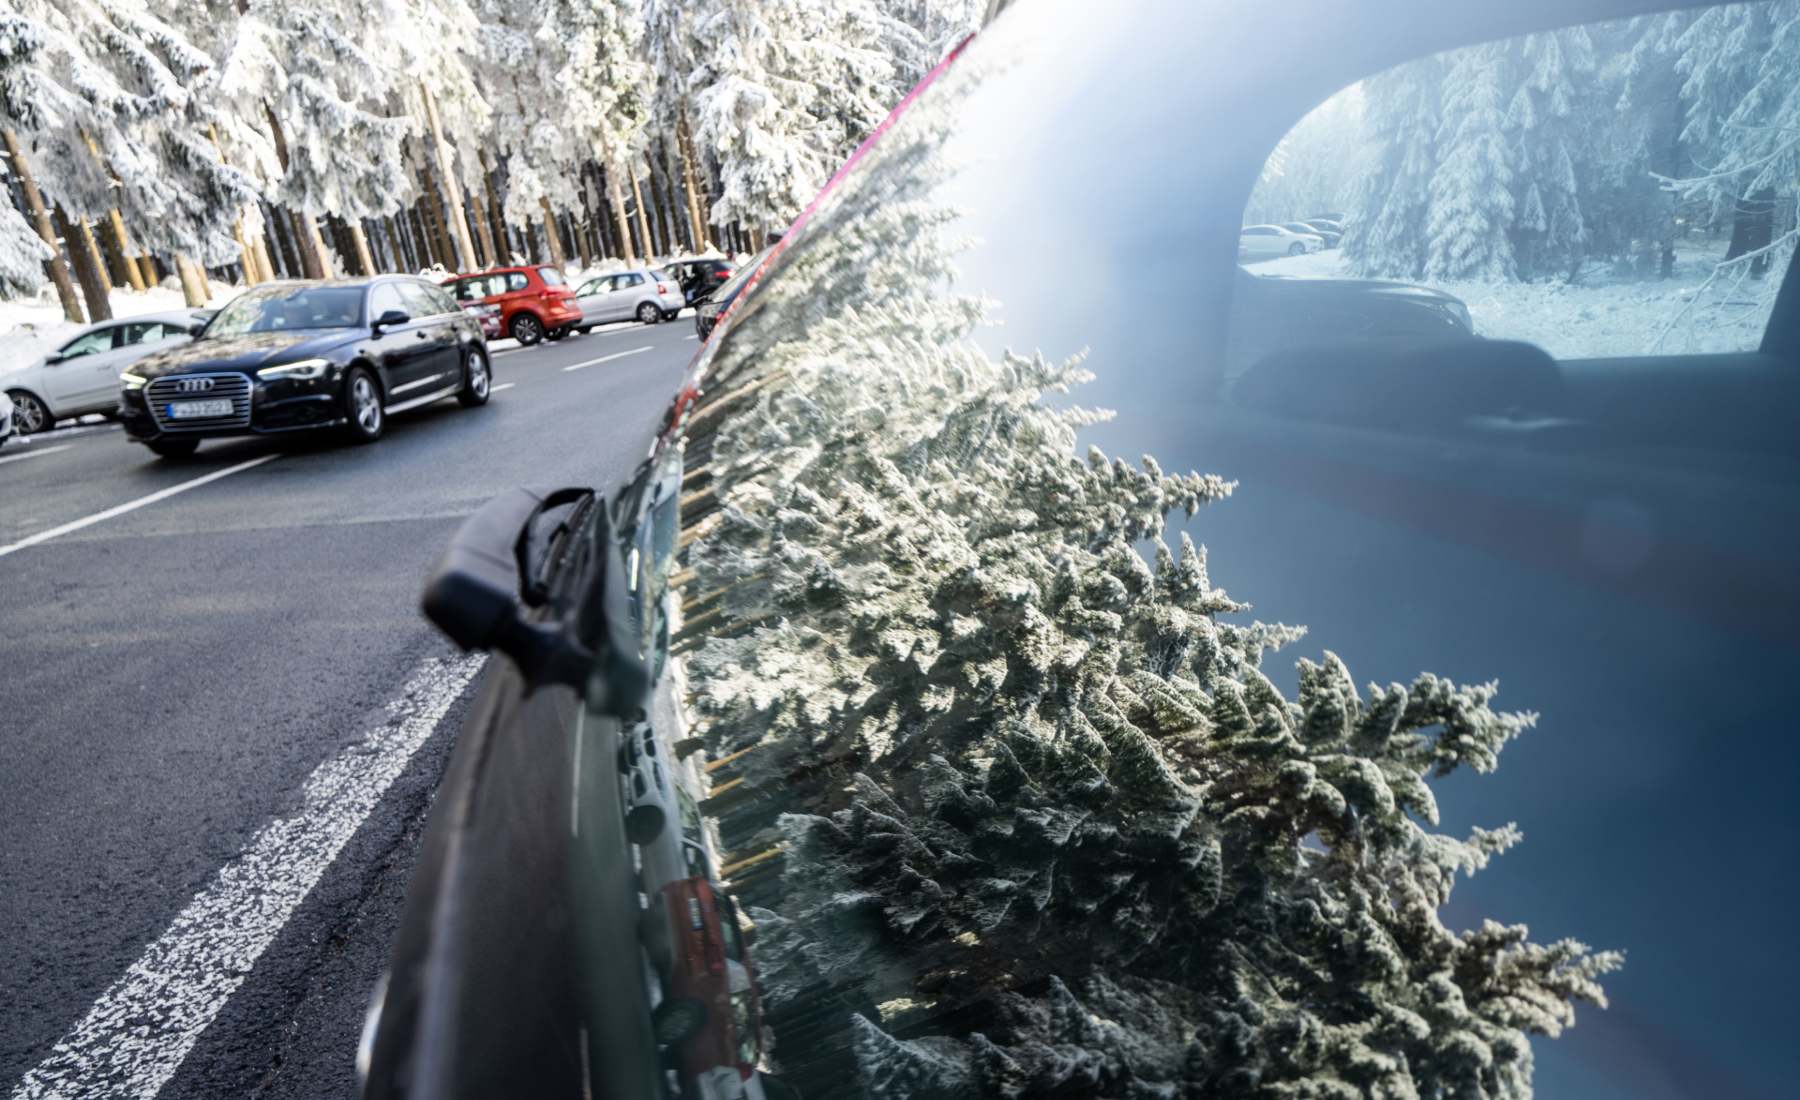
(24, 255)
(754, 90)
(669, 48)
(855, 44)
(1470, 206)
(606, 81)
(1550, 123)
(938, 26)
(1049, 820)
(1401, 116)
(434, 44)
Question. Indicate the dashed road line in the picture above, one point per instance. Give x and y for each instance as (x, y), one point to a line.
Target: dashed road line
(606, 358)
(34, 454)
(503, 386)
(132, 505)
(135, 1037)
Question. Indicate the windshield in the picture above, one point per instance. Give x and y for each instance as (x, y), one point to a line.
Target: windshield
(278, 309)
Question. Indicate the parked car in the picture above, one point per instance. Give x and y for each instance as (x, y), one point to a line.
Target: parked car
(1271, 313)
(700, 278)
(710, 1014)
(1336, 216)
(303, 356)
(82, 374)
(489, 316)
(535, 302)
(6, 418)
(650, 296)
(1265, 242)
(1325, 231)
(708, 313)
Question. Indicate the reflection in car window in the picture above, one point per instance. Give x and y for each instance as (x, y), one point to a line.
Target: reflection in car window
(516, 280)
(274, 309)
(385, 297)
(418, 299)
(143, 333)
(551, 276)
(1575, 189)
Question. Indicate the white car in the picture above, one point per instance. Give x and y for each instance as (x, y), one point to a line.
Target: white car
(1265, 242)
(82, 374)
(650, 296)
(6, 418)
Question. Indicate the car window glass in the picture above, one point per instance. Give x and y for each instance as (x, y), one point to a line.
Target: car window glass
(744, 1021)
(142, 332)
(468, 290)
(551, 276)
(384, 297)
(516, 280)
(1597, 191)
(418, 299)
(436, 294)
(633, 279)
(89, 343)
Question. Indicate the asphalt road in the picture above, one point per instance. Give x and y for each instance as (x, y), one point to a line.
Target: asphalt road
(176, 677)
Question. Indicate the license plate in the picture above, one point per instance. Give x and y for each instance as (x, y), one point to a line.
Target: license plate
(189, 410)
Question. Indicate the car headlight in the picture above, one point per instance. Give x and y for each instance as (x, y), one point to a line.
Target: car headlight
(304, 369)
(133, 381)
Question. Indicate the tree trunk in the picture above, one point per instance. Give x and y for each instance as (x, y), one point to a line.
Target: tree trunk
(615, 198)
(360, 241)
(685, 146)
(260, 249)
(133, 273)
(1752, 228)
(554, 239)
(87, 274)
(34, 206)
(119, 269)
(492, 215)
(643, 221)
(190, 282)
(484, 234)
(315, 244)
(205, 287)
(289, 253)
(453, 199)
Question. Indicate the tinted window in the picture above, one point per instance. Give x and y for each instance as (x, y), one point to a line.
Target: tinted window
(145, 332)
(274, 309)
(469, 290)
(597, 286)
(551, 276)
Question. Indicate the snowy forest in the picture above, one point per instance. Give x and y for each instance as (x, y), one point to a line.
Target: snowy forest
(1583, 156)
(257, 139)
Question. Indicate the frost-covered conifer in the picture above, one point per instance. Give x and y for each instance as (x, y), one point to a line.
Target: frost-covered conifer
(1386, 233)
(1551, 122)
(1050, 821)
(1471, 205)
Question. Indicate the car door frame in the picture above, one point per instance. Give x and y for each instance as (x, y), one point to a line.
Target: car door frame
(85, 383)
(402, 354)
(444, 361)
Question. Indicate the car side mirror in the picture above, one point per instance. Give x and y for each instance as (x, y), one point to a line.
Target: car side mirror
(391, 319)
(476, 596)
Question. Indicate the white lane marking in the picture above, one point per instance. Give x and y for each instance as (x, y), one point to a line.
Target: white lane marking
(503, 386)
(34, 454)
(691, 336)
(137, 1034)
(605, 358)
(575, 774)
(58, 433)
(133, 505)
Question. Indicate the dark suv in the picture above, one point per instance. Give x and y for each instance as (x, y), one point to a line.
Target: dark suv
(341, 353)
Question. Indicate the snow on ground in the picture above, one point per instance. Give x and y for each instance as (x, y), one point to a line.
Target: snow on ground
(30, 327)
(1603, 315)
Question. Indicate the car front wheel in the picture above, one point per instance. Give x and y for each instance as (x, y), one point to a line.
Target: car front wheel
(1296, 249)
(526, 329)
(476, 379)
(362, 406)
(30, 416)
(677, 1020)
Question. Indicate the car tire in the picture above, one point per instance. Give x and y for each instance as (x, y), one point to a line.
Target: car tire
(677, 1020)
(364, 416)
(585, 329)
(478, 380)
(645, 822)
(173, 448)
(526, 329)
(649, 313)
(671, 314)
(1296, 249)
(555, 334)
(30, 416)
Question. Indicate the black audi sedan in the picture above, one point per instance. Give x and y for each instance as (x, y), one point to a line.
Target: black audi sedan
(303, 356)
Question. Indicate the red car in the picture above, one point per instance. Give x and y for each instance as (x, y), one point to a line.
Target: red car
(711, 1014)
(536, 303)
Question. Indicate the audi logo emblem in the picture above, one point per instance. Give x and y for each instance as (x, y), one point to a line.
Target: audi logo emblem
(194, 385)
